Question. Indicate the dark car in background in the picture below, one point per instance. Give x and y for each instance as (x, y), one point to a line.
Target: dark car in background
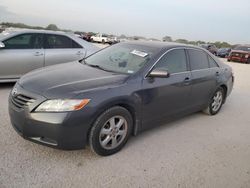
(211, 48)
(240, 53)
(117, 92)
(223, 52)
(87, 37)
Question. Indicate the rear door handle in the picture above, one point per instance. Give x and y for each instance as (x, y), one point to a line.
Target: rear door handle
(187, 81)
(38, 54)
(79, 53)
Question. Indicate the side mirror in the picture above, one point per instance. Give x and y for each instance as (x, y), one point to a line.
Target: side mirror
(158, 73)
(2, 45)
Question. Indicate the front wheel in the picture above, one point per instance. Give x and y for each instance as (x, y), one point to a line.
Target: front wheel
(248, 61)
(110, 131)
(216, 102)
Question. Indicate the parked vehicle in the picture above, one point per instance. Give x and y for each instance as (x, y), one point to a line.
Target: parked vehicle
(211, 48)
(101, 38)
(240, 53)
(113, 40)
(223, 52)
(117, 92)
(21, 52)
(87, 37)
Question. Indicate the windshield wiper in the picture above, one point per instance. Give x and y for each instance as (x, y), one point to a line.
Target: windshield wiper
(98, 67)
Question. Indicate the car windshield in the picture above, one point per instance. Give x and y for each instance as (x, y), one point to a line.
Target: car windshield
(121, 58)
(243, 48)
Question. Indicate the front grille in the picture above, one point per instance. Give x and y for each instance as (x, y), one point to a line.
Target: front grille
(21, 100)
(236, 54)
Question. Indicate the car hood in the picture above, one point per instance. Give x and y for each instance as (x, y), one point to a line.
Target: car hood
(69, 79)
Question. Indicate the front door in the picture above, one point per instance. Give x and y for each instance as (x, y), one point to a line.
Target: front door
(165, 97)
(22, 53)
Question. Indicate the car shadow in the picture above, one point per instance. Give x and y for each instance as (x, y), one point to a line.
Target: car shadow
(6, 85)
(163, 126)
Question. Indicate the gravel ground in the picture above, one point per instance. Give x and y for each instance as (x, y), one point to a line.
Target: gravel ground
(195, 151)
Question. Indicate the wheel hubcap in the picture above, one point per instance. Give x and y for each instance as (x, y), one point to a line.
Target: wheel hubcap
(217, 101)
(113, 132)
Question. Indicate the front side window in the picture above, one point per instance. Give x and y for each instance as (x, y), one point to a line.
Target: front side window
(121, 58)
(174, 61)
(198, 59)
(25, 41)
(59, 41)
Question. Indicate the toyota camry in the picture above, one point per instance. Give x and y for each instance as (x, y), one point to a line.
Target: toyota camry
(119, 91)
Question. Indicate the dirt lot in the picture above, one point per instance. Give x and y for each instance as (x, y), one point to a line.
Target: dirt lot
(195, 151)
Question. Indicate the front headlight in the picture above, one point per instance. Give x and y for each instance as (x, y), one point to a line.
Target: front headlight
(62, 105)
(246, 56)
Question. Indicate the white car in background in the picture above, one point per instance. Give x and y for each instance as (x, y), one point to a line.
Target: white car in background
(23, 51)
(102, 38)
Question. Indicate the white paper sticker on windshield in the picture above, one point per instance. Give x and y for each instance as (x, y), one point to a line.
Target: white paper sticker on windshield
(130, 71)
(139, 53)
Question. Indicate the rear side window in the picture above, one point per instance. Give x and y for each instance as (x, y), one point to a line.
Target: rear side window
(59, 41)
(25, 41)
(198, 59)
(212, 62)
(174, 61)
(75, 45)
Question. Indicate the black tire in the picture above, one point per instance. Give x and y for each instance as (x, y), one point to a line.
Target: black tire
(103, 41)
(95, 136)
(248, 61)
(211, 110)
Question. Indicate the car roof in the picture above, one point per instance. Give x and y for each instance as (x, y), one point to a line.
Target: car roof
(162, 45)
(10, 33)
(33, 31)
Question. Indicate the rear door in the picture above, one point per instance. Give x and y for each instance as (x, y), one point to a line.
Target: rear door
(204, 77)
(22, 53)
(61, 49)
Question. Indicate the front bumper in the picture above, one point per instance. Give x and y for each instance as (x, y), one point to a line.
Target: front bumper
(67, 130)
(238, 59)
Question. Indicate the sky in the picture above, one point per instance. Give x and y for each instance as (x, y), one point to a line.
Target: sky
(208, 20)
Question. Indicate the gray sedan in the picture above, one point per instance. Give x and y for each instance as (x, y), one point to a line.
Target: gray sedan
(23, 51)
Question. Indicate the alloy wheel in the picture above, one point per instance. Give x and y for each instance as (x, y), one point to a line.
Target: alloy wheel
(113, 132)
(217, 101)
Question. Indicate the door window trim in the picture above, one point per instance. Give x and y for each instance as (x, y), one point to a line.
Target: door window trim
(61, 35)
(188, 60)
(25, 33)
(169, 50)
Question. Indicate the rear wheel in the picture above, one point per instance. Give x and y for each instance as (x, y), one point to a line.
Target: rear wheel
(110, 131)
(216, 102)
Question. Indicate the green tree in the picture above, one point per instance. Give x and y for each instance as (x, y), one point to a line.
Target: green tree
(52, 27)
(184, 41)
(167, 39)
